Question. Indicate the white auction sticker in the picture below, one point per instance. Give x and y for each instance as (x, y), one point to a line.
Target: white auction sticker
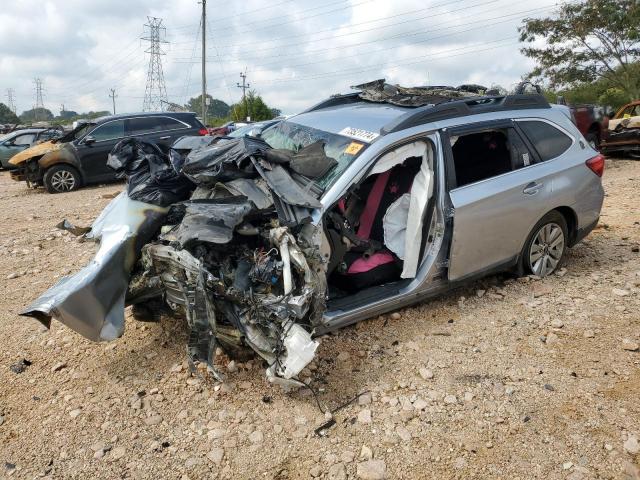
(359, 134)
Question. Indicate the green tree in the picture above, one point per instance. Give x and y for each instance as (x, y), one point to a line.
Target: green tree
(6, 115)
(253, 107)
(43, 114)
(216, 109)
(586, 42)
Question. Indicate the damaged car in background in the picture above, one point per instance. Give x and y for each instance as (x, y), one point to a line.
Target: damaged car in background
(623, 132)
(365, 203)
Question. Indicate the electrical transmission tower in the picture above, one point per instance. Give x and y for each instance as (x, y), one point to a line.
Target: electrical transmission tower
(11, 100)
(39, 106)
(155, 92)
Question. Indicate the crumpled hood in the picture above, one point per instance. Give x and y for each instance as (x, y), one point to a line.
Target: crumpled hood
(35, 151)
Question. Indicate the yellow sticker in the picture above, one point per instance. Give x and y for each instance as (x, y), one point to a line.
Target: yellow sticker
(353, 148)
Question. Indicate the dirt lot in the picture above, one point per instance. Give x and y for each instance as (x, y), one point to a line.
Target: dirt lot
(504, 379)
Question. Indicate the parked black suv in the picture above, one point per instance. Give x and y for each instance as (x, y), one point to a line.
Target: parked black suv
(80, 157)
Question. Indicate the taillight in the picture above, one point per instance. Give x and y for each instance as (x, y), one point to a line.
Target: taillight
(203, 131)
(596, 164)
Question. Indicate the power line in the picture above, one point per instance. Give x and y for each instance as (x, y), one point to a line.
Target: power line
(155, 91)
(205, 100)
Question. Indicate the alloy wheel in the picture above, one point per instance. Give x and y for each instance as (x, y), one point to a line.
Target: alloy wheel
(63, 181)
(546, 249)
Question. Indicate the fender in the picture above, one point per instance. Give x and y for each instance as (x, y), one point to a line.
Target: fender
(66, 154)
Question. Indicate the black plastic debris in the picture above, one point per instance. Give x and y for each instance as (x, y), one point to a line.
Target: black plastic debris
(20, 367)
(73, 229)
(150, 176)
(226, 160)
(311, 161)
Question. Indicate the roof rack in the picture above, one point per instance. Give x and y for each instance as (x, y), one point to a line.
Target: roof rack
(463, 108)
(334, 100)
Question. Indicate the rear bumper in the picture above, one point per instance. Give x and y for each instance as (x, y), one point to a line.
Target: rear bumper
(581, 233)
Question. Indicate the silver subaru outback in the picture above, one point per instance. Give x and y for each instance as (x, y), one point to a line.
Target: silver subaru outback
(363, 204)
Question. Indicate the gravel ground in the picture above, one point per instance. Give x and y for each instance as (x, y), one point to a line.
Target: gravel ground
(503, 379)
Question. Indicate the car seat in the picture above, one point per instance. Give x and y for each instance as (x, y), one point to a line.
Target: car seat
(375, 266)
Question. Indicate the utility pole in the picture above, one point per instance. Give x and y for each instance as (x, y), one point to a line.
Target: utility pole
(11, 100)
(155, 91)
(204, 54)
(61, 109)
(39, 102)
(113, 96)
(244, 88)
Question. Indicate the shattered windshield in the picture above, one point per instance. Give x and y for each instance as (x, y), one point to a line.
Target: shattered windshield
(293, 136)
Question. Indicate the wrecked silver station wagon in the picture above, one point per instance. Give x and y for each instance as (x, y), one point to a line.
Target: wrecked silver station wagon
(365, 203)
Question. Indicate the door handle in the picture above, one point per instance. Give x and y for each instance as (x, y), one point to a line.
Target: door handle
(167, 137)
(532, 188)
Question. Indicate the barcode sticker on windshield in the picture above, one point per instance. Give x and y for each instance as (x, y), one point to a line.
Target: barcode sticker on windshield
(353, 148)
(359, 134)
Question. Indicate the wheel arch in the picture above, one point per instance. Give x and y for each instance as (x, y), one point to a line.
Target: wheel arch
(60, 157)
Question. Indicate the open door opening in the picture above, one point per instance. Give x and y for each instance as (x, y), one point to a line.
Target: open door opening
(375, 231)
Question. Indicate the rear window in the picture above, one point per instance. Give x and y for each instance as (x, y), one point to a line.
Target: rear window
(172, 124)
(140, 126)
(549, 141)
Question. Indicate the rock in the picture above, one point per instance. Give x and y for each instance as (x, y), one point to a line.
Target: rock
(395, 316)
(1, 420)
(256, 437)
(557, 323)
(337, 472)
(450, 399)
(551, 338)
(403, 433)
(364, 416)
(98, 454)
(75, 413)
(277, 429)
(315, 471)
(480, 293)
(567, 465)
(117, 453)
(192, 462)
(420, 404)
(630, 345)
(153, 420)
(365, 398)
(97, 446)
(232, 367)
(619, 292)
(426, 374)
(631, 445)
(58, 366)
(548, 386)
(589, 334)
(372, 470)
(216, 433)
(468, 396)
(216, 455)
(347, 456)
(541, 289)
(459, 463)
(365, 453)
(13, 275)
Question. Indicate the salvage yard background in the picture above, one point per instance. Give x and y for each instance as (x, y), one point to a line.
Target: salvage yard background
(504, 379)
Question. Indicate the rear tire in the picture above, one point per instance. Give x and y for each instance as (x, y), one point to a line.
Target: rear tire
(546, 245)
(61, 178)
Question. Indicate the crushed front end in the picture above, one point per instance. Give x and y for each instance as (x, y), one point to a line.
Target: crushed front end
(232, 250)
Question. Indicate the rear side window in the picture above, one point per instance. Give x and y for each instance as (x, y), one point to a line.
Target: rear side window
(140, 126)
(172, 124)
(24, 139)
(547, 139)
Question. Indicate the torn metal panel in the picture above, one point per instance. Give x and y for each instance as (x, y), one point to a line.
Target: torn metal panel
(284, 186)
(211, 221)
(382, 92)
(92, 301)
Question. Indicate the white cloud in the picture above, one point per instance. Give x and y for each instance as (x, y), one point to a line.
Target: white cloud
(296, 52)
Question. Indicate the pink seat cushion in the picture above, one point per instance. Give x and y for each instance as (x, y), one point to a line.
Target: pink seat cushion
(362, 265)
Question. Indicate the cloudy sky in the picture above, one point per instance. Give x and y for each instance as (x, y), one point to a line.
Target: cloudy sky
(295, 52)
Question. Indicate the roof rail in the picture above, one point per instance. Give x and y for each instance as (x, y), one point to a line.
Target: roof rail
(463, 108)
(336, 100)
